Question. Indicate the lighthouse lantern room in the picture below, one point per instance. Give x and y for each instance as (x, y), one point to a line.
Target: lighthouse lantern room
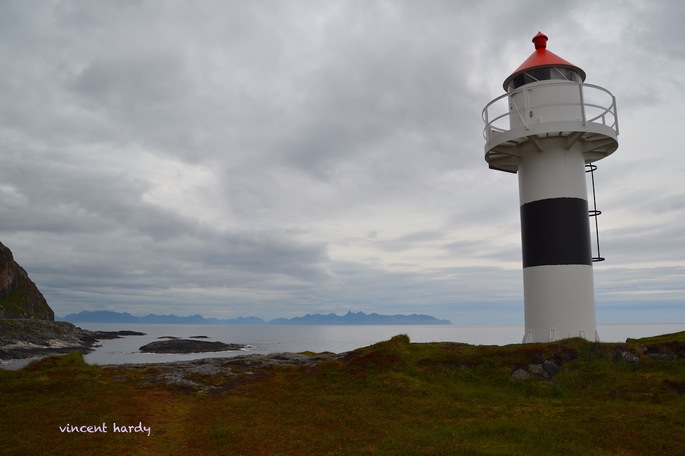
(548, 127)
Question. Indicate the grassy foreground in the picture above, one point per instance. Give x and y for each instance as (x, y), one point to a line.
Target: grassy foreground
(392, 398)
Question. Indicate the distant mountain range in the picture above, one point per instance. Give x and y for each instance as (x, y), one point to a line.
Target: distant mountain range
(350, 318)
(360, 318)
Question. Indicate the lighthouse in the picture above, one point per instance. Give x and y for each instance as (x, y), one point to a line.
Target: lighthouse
(549, 128)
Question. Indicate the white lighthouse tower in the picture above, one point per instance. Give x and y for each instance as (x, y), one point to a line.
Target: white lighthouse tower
(547, 128)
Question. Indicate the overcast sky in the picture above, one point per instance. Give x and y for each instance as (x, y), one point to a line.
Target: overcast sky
(277, 158)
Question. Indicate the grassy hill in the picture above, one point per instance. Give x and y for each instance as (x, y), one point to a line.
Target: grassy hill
(572, 397)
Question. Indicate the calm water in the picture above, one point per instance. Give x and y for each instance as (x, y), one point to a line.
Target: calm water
(263, 339)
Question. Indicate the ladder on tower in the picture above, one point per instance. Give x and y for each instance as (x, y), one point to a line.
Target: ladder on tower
(594, 213)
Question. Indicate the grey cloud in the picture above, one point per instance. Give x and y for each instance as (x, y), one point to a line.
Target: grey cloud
(139, 80)
(285, 132)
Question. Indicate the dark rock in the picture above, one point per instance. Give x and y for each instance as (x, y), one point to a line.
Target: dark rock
(102, 335)
(520, 375)
(536, 369)
(19, 296)
(287, 356)
(550, 367)
(629, 356)
(665, 351)
(663, 356)
(545, 370)
(21, 339)
(126, 333)
(187, 346)
(28, 338)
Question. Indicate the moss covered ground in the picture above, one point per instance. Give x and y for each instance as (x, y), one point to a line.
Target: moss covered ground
(392, 398)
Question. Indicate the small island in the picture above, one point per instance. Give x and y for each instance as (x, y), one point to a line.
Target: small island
(179, 346)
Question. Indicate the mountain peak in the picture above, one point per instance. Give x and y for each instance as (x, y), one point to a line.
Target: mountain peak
(350, 318)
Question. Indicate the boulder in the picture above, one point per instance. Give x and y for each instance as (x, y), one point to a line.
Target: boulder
(629, 356)
(550, 367)
(536, 369)
(520, 375)
(545, 370)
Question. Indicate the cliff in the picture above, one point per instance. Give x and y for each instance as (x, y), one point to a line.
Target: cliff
(19, 296)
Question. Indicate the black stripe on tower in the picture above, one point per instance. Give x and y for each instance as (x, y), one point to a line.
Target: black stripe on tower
(555, 231)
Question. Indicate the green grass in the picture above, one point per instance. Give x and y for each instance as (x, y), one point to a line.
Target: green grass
(25, 301)
(15, 301)
(393, 398)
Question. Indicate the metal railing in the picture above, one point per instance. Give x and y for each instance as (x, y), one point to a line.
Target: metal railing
(497, 114)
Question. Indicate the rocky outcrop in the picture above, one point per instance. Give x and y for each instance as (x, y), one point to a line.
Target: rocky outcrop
(633, 352)
(216, 375)
(665, 351)
(187, 346)
(29, 338)
(19, 296)
(545, 370)
(20, 339)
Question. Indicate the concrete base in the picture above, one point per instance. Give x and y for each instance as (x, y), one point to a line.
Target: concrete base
(559, 303)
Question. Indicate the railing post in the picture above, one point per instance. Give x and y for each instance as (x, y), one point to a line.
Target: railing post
(582, 104)
(613, 105)
(526, 107)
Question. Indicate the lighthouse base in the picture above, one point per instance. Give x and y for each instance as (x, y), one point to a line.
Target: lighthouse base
(559, 303)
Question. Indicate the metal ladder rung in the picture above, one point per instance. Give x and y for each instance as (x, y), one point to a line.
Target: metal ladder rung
(591, 168)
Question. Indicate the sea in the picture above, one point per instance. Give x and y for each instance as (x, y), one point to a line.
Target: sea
(265, 339)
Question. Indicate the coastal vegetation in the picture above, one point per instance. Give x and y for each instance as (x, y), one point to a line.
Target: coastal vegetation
(570, 397)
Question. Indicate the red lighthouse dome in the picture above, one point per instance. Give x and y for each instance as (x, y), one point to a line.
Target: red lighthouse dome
(543, 65)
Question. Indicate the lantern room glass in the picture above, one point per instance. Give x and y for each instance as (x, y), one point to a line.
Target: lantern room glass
(543, 74)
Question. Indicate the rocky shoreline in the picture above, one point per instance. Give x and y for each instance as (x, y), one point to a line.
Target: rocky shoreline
(29, 338)
(26, 339)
